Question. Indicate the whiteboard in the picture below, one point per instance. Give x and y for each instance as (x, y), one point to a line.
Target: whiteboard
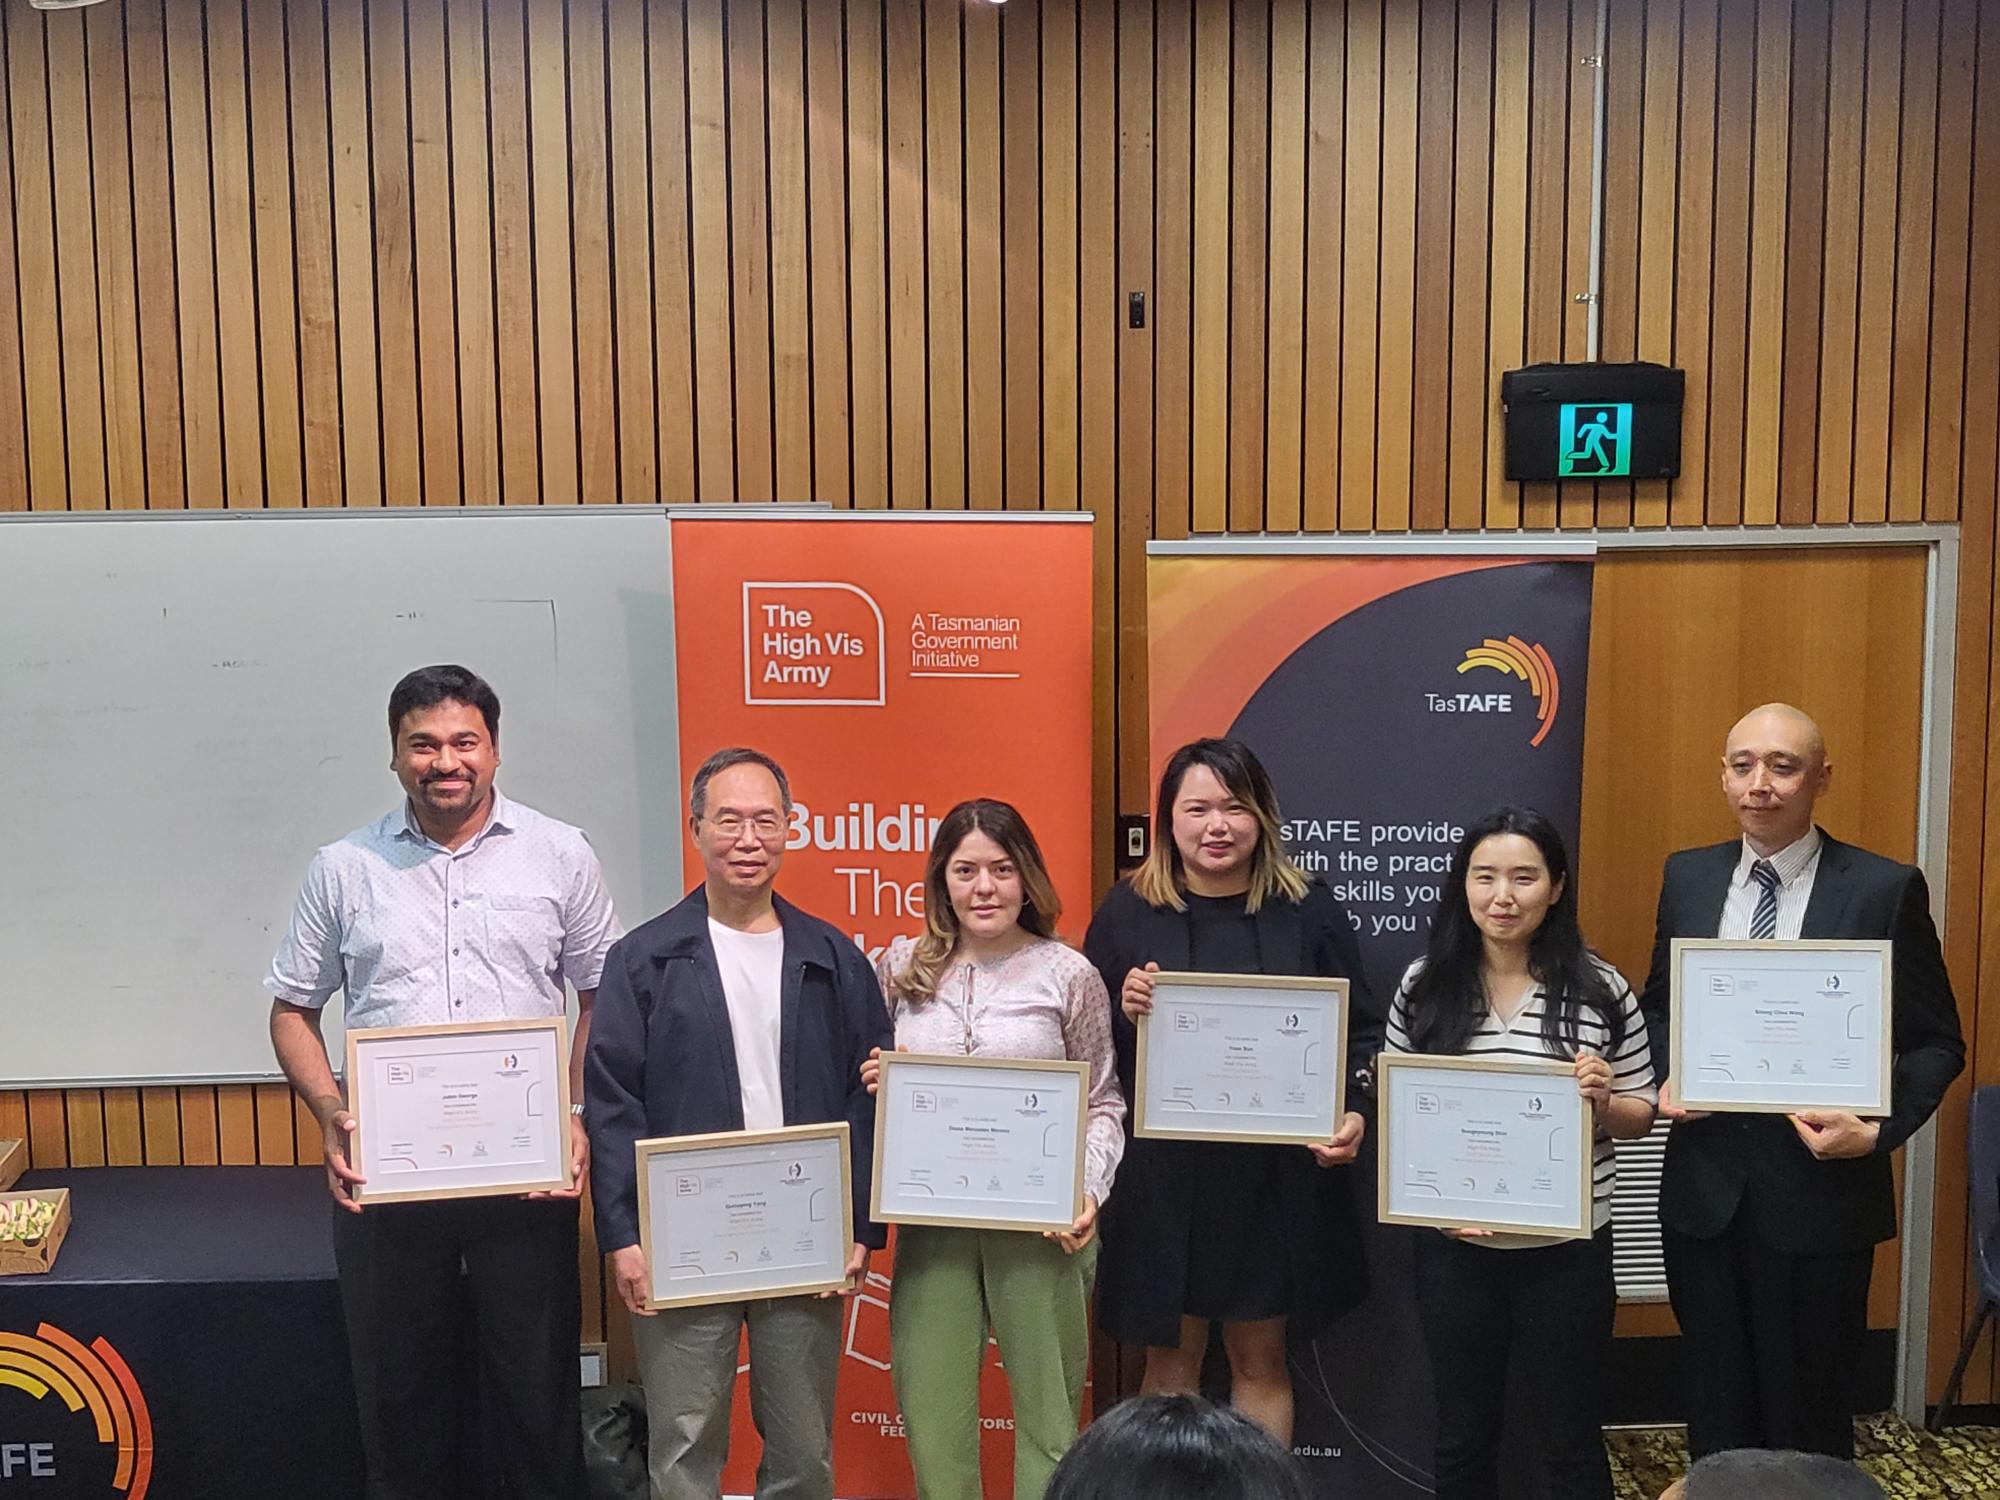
(190, 705)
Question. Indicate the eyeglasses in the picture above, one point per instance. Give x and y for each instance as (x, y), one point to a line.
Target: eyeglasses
(767, 826)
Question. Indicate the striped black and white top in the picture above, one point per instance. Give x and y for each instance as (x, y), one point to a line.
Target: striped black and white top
(1631, 1068)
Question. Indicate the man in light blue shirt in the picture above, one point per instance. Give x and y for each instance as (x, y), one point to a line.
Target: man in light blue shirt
(459, 906)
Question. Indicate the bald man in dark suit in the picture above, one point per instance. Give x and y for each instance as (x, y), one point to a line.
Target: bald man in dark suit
(1770, 1221)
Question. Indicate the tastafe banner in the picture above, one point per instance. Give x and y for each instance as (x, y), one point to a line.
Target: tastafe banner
(1395, 692)
(82, 1392)
(894, 665)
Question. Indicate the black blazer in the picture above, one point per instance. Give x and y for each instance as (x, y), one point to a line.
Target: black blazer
(662, 1060)
(1797, 1202)
(1142, 1272)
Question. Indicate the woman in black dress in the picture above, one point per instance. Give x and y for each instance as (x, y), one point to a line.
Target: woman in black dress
(1251, 1237)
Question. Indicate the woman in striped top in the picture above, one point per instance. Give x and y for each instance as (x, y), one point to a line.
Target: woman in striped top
(1508, 974)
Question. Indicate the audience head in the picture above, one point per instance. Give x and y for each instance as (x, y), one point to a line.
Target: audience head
(1774, 767)
(1216, 817)
(1177, 1448)
(1769, 1474)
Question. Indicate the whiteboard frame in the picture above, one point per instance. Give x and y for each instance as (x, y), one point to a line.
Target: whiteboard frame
(668, 665)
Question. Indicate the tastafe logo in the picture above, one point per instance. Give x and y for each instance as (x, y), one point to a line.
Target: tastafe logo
(1532, 664)
(51, 1363)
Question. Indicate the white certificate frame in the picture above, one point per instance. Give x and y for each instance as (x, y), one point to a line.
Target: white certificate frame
(906, 1074)
(1400, 1080)
(1157, 1119)
(758, 1156)
(1697, 1087)
(541, 1044)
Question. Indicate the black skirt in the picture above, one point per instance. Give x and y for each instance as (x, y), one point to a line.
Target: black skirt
(1238, 1262)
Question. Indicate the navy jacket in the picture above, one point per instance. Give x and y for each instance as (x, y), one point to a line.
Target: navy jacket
(662, 1060)
(1756, 1163)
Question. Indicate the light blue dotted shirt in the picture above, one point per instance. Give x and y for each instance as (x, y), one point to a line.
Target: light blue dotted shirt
(420, 935)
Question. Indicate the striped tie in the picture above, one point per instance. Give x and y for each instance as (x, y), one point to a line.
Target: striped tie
(1764, 921)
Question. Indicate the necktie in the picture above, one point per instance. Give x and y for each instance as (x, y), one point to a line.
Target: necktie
(1764, 921)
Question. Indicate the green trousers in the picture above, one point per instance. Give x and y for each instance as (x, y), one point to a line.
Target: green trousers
(950, 1286)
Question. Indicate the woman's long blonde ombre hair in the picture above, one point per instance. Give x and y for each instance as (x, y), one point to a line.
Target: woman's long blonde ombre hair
(1162, 880)
(917, 981)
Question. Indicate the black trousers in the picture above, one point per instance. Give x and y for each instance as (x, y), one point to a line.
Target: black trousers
(1552, 1305)
(408, 1272)
(1770, 1340)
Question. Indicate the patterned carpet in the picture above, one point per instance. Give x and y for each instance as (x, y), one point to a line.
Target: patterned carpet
(1907, 1461)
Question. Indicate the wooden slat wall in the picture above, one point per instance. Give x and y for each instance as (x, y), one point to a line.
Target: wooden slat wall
(442, 252)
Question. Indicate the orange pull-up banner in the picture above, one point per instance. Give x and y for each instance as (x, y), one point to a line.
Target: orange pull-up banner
(894, 665)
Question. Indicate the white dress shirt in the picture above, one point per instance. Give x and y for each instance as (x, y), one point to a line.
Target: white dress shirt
(1797, 863)
(421, 935)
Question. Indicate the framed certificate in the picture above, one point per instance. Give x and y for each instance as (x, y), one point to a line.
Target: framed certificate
(744, 1214)
(1242, 1057)
(979, 1142)
(1484, 1143)
(1766, 1027)
(460, 1111)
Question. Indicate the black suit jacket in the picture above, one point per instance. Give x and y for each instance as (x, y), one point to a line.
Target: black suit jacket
(1757, 1163)
(662, 1059)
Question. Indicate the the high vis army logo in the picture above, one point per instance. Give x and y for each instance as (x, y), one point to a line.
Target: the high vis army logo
(812, 643)
(53, 1365)
(1532, 665)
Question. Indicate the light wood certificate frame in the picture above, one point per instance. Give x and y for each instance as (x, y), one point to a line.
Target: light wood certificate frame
(833, 1138)
(1561, 1085)
(907, 1069)
(544, 1038)
(1691, 1092)
(1324, 994)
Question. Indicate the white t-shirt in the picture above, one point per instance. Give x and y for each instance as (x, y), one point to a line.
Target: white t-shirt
(753, 980)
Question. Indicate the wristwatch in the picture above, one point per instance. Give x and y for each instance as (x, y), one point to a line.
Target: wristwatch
(576, 1109)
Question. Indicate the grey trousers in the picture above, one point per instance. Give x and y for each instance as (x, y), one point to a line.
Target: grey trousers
(687, 1360)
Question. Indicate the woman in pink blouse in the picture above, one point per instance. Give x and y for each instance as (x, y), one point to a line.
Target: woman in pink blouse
(989, 978)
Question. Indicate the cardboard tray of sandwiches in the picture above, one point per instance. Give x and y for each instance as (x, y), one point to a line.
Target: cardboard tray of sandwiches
(33, 1225)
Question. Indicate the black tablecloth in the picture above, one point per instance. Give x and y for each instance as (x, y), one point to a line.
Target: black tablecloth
(189, 1224)
(214, 1286)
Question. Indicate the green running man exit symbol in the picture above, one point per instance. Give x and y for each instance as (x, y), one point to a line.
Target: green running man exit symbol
(1596, 441)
